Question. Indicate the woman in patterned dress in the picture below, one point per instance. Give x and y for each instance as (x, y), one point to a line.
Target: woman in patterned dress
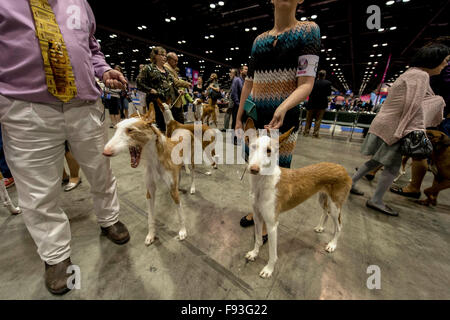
(281, 74)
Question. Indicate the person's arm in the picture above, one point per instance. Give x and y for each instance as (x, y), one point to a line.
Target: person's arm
(414, 94)
(304, 88)
(111, 78)
(246, 90)
(308, 61)
(143, 80)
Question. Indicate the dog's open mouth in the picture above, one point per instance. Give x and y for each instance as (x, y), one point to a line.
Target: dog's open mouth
(135, 154)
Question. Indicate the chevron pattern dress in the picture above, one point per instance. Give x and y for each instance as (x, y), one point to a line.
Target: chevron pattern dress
(275, 65)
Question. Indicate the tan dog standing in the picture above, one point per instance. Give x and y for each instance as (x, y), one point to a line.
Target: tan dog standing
(276, 190)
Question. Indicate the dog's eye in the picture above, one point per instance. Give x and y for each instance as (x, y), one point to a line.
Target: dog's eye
(130, 130)
(269, 151)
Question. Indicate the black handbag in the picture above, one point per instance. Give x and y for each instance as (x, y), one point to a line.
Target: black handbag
(416, 145)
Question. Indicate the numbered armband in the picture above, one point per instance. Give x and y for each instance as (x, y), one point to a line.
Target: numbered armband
(307, 65)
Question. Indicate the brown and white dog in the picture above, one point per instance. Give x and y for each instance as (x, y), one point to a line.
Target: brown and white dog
(172, 125)
(209, 113)
(143, 139)
(278, 190)
(441, 163)
(7, 203)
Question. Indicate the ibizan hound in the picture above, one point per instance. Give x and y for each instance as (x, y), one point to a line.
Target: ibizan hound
(142, 137)
(172, 125)
(275, 190)
(6, 200)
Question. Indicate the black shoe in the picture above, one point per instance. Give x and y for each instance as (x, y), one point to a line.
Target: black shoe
(246, 223)
(356, 192)
(388, 210)
(399, 190)
(56, 277)
(370, 177)
(117, 233)
(265, 238)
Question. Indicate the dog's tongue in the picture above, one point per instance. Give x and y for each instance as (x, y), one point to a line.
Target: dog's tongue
(135, 155)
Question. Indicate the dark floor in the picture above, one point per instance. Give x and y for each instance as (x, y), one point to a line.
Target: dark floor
(412, 250)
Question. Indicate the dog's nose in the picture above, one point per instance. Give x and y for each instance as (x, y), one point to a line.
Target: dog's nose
(254, 169)
(107, 152)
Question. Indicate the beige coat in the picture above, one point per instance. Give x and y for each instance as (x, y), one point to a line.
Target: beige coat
(411, 105)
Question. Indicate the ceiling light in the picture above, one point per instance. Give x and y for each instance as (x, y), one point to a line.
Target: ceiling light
(179, 42)
(206, 37)
(324, 37)
(247, 29)
(221, 3)
(393, 28)
(236, 48)
(254, 28)
(140, 28)
(314, 16)
(303, 19)
(107, 56)
(391, 2)
(173, 18)
(381, 30)
(167, 20)
(212, 5)
(122, 62)
(372, 55)
(98, 40)
(211, 36)
(144, 27)
(379, 55)
(385, 44)
(323, 50)
(119, 53)
(375, 45)
(231, 49)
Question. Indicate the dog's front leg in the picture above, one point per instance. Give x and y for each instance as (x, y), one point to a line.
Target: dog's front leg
(258, 220)
(7, 201)
(151, 194)
(272, 227)
(181, 216)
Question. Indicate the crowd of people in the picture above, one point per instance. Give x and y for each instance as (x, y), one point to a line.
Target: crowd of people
(56, 116)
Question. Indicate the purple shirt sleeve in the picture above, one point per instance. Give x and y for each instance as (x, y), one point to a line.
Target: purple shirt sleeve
(98, 59)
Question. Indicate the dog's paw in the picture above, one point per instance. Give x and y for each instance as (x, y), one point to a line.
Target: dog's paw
(208, 173)
(266, 272)
(182, 234)
(192, 190)
(330, 247)
(251, 255)
(319, 229)
(14, 210)
(149, 239)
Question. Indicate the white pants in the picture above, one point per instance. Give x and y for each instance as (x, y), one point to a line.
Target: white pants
(33, 141)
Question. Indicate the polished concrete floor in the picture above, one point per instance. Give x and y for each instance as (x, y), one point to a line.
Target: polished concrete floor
(412, 250)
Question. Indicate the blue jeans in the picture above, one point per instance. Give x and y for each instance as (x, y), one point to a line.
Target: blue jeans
(3, 165)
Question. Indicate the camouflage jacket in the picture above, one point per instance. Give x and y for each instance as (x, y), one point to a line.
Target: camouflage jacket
(151, 78)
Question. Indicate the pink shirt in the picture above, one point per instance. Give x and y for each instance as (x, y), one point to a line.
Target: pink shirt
(411, 105)
(21, 65)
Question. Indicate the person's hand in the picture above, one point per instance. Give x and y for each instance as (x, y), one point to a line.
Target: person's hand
(277, 120)
(114, 79)
(237, 127)
(153, 91)
(180, 91)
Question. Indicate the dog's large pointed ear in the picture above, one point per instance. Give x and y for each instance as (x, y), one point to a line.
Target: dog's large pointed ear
(150, 116)
(249, 124)
(160, 104)
(283, 138)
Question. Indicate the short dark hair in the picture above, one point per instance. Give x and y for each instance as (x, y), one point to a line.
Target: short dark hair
(322, 74)
(430, 56)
